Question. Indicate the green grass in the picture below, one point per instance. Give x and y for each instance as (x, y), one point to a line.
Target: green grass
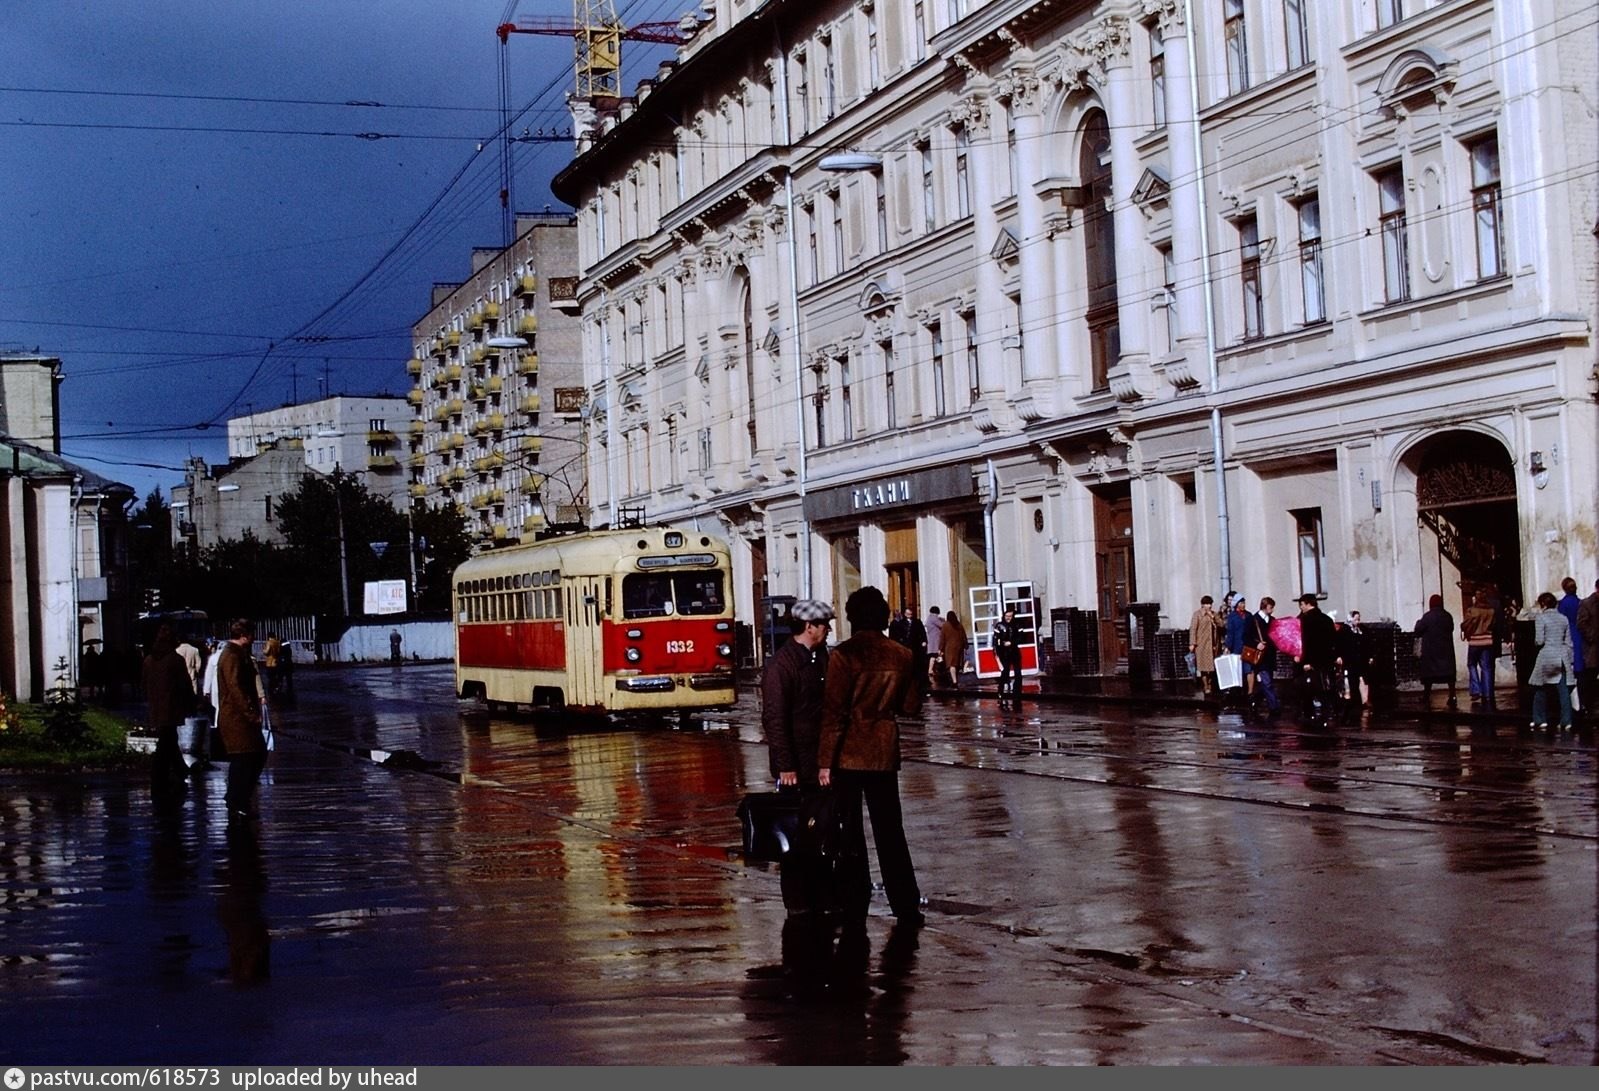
(24, 748)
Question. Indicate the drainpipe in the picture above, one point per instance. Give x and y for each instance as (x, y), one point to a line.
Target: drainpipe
(1217, 453)
(988, 521)
(73, 650)
(610, 402)
(801, 466)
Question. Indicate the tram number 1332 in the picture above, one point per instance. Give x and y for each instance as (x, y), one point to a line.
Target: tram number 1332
(605, 621)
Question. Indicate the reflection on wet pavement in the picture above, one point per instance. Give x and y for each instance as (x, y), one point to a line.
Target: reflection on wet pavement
(1104, 887)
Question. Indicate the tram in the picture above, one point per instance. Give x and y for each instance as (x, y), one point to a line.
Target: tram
(612, 621)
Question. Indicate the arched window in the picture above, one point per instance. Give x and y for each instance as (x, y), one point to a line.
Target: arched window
(1099, 247)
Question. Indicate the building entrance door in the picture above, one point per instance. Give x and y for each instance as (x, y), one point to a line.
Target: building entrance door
(1466, 502)
(904, 574)
(1113, 561)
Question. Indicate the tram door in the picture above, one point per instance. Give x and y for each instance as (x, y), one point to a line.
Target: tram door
(585, 645)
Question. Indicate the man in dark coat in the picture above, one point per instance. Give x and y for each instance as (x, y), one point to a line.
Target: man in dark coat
(1435, 660)
(907, 629)
(1588, 665)
(169, 697)
(870, 681)
(1318, 653)
(241, 700)
(1004, 640)
(791, 715)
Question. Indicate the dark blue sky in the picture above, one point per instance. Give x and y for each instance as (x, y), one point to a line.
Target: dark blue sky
(175, 227)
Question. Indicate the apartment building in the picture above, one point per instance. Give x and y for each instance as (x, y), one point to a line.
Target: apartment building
(498, 425)
(1135, 301)
(353, 434)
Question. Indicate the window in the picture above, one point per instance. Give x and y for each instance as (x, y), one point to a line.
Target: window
(829, 84)
(1297, 29)
(963, 191)
(1237, 46)
(1395, 251)
(882, 215)
(1249, 276)
(810, 232)
(929, 207)
(890, 407)
(266, 502)
(818, 402)
(846, 407)
(935, 334)
(974, 376)
(838, 232)
(1312, 283)
(705, 450)
(1010, 149)
(919, 30)
(1484, 155)
(1310, 551)
(1157, 75)
(1168, 271)
(1389, 12)
(874, 70)
(802, 96)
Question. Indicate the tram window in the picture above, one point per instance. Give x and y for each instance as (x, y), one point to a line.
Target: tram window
(661, 594)
(699, 592)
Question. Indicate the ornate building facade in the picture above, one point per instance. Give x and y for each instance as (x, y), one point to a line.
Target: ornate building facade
(1135, 300)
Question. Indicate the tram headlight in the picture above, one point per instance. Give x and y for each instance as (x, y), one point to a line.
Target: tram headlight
(725, 651)
(633, 655)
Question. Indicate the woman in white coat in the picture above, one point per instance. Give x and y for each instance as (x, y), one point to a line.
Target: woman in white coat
(1551, 633)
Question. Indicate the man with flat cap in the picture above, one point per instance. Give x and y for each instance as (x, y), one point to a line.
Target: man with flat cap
(791, 715)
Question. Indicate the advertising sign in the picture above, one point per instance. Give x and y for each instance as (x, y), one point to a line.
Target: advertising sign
(384, 597)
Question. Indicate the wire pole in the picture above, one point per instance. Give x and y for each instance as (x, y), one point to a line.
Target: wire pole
(344, 572)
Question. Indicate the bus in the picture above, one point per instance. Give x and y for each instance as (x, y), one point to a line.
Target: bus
(611, 621)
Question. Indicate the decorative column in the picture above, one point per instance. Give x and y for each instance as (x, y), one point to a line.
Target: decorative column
(986, 160)
(1186, 226)
(1037, 312)
(1130, 377)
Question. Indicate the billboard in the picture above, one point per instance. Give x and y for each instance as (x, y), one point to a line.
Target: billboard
(384, 597)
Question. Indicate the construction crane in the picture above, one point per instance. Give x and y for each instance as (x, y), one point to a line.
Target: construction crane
(597, 36)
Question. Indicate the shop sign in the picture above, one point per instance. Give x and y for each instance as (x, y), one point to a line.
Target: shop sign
(868, 497)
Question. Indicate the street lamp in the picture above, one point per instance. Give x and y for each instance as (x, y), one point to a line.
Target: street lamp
(842, 162)
(507, 342)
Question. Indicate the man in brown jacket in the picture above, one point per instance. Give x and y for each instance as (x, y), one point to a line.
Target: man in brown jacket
(870, 681)
(241, 698)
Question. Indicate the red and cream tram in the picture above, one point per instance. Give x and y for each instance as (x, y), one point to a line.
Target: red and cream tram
(636, 619)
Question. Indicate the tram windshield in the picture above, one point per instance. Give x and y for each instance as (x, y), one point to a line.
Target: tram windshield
(662, 594)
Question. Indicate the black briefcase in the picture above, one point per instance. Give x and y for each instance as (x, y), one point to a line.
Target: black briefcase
(771, 822)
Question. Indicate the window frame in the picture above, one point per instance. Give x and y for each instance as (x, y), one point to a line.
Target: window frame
(1393, 229)
(1250, 278)
(1487, 207)
(1312, 269)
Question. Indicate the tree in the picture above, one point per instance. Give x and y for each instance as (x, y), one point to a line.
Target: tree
(150, 560)
(443, 542)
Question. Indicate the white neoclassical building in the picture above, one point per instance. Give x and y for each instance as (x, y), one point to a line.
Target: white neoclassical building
(1134, 300)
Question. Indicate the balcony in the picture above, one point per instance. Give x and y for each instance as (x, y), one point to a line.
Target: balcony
(532, 443)
(489, 463)
(441, 414)
(381, 435)
(382, 462)
(455, 406)
(416, 427)
(527, 325)
(527, 285)
(413, 367)
(418, 491)
(456, 475)
(496, 422)
(439, 348)
(496, 384)
(453, 372)
(490, 312)
(533, 524)
(480, 426)
(496, 496)
(500, 533)
(529, 404)
(452, 339)
(480, 501)
(528, 365)
(440, 380)
(414, 397)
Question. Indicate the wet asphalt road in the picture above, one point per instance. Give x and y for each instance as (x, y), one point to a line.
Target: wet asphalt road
(1106, 886)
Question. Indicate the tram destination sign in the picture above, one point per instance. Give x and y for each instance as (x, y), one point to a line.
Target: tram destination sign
(890, 492)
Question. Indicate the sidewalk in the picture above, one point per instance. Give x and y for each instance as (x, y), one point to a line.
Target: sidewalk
(1388, 705)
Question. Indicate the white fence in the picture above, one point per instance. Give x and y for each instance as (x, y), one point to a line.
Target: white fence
(372, 642)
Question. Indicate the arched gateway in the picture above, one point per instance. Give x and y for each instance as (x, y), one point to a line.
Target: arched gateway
(1466, 508)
